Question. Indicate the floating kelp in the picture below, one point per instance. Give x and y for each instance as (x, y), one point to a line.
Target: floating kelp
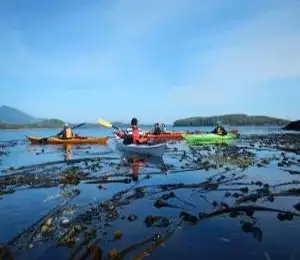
(93, 230)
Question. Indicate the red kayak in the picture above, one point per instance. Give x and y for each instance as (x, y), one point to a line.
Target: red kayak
(164, 136)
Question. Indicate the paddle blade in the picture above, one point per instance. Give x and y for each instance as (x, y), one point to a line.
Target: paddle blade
(234, 131)
(104, 123)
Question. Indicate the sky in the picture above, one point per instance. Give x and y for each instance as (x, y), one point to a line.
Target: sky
(157, 60)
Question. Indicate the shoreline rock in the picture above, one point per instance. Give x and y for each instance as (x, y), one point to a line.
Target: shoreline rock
(293, 126)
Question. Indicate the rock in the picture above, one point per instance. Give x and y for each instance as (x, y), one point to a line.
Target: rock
(293, 126)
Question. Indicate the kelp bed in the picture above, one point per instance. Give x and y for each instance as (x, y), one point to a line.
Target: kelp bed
(145, 213)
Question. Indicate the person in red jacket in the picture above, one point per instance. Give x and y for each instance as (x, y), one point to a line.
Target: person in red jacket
(134, 138)
(135, 131)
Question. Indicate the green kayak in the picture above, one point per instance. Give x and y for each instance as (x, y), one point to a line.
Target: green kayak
(209, 137)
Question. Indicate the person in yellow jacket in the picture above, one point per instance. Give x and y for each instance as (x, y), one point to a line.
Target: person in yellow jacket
(66, 133)
(219, 130)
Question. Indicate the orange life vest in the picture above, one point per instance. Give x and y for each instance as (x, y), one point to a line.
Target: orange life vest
(68, 133)
(135, 135)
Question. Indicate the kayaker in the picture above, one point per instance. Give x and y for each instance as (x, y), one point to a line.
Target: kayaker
(157, 130)
(163, 128)
(134, 137)
(219, 130)
(66, 133)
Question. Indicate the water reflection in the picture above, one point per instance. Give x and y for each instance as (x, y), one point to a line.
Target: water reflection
(138, 163)
(67, 148)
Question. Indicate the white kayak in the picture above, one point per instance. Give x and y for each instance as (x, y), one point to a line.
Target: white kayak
(145, 149)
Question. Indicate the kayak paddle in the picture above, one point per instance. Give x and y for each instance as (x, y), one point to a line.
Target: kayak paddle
(45, 139)
(234, 131)
(107, 124)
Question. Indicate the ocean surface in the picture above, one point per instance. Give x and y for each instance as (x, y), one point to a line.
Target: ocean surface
(220, 237)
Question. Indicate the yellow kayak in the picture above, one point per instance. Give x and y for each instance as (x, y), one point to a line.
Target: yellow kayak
(75, 140)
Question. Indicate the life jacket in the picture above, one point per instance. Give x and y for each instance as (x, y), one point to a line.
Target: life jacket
(221, 131)
(67, 133)
(129, 131)
(135, 135)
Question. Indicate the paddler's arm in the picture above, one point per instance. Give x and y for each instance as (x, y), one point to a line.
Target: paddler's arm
(60, 133)
(143, 140)
(224, 131)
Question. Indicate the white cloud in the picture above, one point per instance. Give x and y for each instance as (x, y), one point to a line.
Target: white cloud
(246, 57)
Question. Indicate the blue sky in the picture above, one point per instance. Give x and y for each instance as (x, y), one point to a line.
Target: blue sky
(153, 59)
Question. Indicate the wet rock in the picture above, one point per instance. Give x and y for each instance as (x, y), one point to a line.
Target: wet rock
(293, 126)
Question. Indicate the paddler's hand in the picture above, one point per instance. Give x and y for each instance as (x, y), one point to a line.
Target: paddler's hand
(143, 140)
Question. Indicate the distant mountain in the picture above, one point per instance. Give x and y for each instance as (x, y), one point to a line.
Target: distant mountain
(48, 123)
(11, 115)
(12, 118)
(231, 119)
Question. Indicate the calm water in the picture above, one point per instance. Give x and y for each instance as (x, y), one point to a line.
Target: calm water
(215, 238)
(25, 154)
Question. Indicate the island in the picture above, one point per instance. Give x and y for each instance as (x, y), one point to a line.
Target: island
(293, 126)
(47, 123)
(231, 119)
